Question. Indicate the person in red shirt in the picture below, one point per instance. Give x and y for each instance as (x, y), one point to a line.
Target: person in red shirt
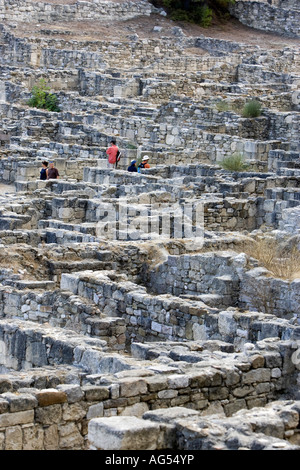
(112, 154)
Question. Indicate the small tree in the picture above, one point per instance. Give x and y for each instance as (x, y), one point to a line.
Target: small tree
(42, 98)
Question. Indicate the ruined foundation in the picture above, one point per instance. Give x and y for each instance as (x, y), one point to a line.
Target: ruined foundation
(151, 310)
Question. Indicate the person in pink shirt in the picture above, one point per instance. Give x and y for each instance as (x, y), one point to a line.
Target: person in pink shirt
(112, 154)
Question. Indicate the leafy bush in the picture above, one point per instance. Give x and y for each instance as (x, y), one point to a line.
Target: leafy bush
(234, 163)
(252, 109)
(42, 98)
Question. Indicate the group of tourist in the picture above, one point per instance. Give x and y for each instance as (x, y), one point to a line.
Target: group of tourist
(114, 156)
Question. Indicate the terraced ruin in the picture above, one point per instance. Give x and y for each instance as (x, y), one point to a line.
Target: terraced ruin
(154, 310)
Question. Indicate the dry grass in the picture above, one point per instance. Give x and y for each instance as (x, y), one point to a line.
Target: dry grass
(282, 262)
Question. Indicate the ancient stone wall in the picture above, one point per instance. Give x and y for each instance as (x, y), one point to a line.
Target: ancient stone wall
(51, 410)
(280, 18)
(11, 10)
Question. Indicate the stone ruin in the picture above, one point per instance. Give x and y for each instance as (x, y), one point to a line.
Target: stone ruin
(134, 311)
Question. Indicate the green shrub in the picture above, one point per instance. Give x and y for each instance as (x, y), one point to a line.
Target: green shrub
(234, 163)
(42, 98)
(180, 15)
(252, 109)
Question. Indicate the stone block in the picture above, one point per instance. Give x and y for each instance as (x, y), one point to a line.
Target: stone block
(49, 415)
(73, 412)
(20, 402)
(95, 411)
(13, 419)
(132, 387)
(33, 438)
(178, 381)
(14, 438)
(256, 375)
(123, 433)
(49, 397)
(73, 393)
(95, 393)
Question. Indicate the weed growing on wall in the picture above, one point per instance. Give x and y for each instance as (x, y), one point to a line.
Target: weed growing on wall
(234, 162)
(252, 109)
(282, 262)
(42, 98)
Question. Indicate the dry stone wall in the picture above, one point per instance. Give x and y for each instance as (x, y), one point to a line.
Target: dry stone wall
(40, 11)
(279, 16)
(114, 332)
(56, 408)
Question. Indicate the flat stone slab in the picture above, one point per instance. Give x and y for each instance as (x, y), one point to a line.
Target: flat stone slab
(123, 433)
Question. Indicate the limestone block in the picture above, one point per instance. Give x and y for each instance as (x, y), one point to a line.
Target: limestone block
(12, 419)
(70, 437)
(138, 409)
(33, 438)
(95, 411)
(20, 402)
(163, 394)
(73, 392)
(95, 393)
(51, 437)
(123, 433)
(69, 282)
(14, 438)
(65, 213)
(73, 412)
(226, 323)
(257, 375)
(132, 387)
(178, 381)
(48, 415)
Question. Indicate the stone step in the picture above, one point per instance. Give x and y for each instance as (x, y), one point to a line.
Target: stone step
(29, 284)
(110, 329)
(285, 194)
(65, 237)
(14, 221)
(58, 267)
(85, 228)
(212, 300)
(289, 164)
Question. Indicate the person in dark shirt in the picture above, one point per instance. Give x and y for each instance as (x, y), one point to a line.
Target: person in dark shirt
(132, 166)
(44, 171)
(52, 172)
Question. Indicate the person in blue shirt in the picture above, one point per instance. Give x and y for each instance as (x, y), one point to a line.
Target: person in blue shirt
(132, 166)
(44, 171)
